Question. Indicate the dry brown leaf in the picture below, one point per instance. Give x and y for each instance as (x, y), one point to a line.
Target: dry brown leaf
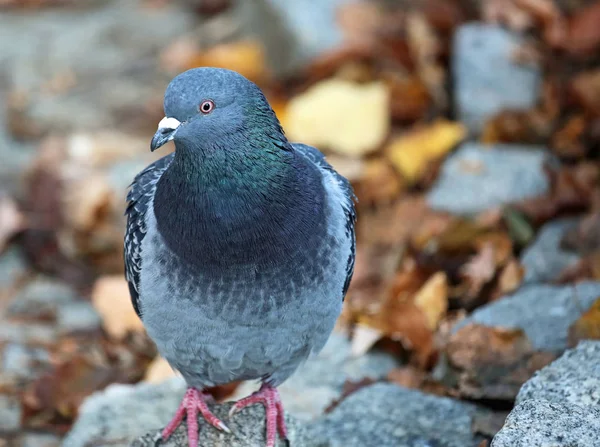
(111, 299)
(11, 220)
(587, 326)
(412, 152)
(583, 38)
(425, 49)
(432, 299)
(410, 98)
(480, 269)
(400, 319)
(491, 363)
(378, 184)
(246, 57)
(508, 13)
(158, 371)
(348, 118)
(567, 142)
(510, 278)
(586, 89)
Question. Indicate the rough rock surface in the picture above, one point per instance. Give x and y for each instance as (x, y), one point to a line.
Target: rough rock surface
(544, 259)
(389, 415)
(560, 405)
(248, 430)
(479, 177)
(487, 78)
(544, 312)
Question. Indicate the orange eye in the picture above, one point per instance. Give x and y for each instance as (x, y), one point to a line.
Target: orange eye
(206, 106)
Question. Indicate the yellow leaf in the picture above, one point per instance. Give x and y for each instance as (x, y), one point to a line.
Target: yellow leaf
(110, 297)
(348, 118)
(432, 299)
(412, 152)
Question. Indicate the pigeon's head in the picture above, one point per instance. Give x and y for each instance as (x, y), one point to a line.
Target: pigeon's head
(204, 106)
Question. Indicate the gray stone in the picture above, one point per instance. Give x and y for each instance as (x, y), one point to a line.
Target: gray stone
(120, 413)
(294, 46)
(560, 405)
(479, 177)
(544, 259)
(573, 379)
(39, 440)
(540, 423)
(23, 361)
(389, 415)
(544, 312)
(78, 316)
(41, 298)
(10, 413)
(320, 380)
(117, 415)
(26, 333)
(487, 79)
(110, 53)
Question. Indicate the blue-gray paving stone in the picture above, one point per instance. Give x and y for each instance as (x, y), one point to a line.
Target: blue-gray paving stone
(479, 177)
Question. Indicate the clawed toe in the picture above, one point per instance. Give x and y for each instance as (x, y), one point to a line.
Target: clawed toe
(193, 402)
(275, 417)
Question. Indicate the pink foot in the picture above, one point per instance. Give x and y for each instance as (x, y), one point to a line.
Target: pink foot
(193, 402)
(269, 397)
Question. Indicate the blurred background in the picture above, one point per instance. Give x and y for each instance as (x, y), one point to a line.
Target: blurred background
(470, 130)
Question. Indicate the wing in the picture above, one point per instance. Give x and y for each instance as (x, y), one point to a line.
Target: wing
(315, 156)
(139, 199)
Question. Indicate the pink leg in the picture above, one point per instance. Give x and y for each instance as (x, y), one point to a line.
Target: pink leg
(193, 402)
(269, 397)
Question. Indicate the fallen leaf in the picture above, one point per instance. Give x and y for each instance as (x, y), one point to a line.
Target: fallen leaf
(426, 49)
(409, 97)
(110, 297)
(412, 152)
(583, 38)
(480, 269)
(491, 363)
(432, 299)
(158, 371)
(348, 118)
(586, 89)
(247, 57)
(510, 278)
(379, 183)
(568, 142)
(587, 326)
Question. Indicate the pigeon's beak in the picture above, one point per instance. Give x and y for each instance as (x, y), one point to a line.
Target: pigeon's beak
(166, 132)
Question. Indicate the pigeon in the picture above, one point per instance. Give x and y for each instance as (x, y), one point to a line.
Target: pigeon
(239, 246)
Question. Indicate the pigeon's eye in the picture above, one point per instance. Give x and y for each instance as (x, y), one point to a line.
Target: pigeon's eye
(207, 106)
